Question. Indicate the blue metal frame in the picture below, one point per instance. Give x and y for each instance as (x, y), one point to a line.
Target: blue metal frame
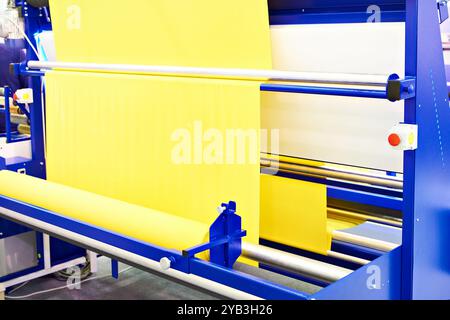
(379, 280)
(227, 228)
(426, 240)
(396, 89)
(375, 94)
(333, 11)
(36, 20)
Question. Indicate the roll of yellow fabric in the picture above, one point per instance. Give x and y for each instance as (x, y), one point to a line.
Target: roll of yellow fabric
(137, 222)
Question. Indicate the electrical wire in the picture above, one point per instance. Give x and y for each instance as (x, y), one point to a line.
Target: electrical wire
(62, 287)
(19, 287)
(85, 272)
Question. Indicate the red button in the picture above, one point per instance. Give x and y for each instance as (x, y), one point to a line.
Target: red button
(394, 140)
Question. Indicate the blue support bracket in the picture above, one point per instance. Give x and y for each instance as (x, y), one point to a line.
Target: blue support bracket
(361, 93)
(225, 238)
(396, 89)
(21, 69)
(115, 269)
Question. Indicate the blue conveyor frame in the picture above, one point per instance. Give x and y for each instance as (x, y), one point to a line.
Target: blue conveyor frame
(420, 268)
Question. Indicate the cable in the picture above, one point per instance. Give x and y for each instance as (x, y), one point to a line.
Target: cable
(61, 288)
(19, 287)
(85, 272)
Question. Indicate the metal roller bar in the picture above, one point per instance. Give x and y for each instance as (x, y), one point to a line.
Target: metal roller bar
(367, 217)
(294, 263)
(24, 129)
(14, 109)
(346, 257)
(364, 241)
(331, 173)
(309, 267)
(19, 119)
(307, 77)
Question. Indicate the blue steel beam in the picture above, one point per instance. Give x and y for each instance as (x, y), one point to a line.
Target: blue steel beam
(207, 270)
(376, 94)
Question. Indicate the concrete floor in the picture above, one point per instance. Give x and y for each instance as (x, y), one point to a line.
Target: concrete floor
(133, 284)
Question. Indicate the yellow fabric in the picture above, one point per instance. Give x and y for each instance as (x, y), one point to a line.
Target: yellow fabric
(116, 135)
(143, 224)
(294, 213)
(339, 222)
(198, 33)
(111, 134)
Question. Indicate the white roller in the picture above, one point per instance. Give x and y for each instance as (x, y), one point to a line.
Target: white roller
(364, 241)
(317, 269)
(337, 129)
(378, 80)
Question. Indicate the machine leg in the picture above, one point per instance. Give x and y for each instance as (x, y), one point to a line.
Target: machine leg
(93, 260)
(115, 269)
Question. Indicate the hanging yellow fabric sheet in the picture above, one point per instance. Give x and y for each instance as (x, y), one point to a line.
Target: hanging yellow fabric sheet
(160, 142)
(197, 33)
(137, 222)
(177, 145)
(294, 213)
(118, 135)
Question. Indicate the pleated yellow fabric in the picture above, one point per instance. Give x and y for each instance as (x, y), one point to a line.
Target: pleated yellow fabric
(178, 145)
(143, 224)
(198, 33)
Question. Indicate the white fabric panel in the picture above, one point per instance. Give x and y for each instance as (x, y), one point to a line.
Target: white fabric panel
(342, 130)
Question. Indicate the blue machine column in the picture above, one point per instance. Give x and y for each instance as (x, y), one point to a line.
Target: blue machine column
(426, 221)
